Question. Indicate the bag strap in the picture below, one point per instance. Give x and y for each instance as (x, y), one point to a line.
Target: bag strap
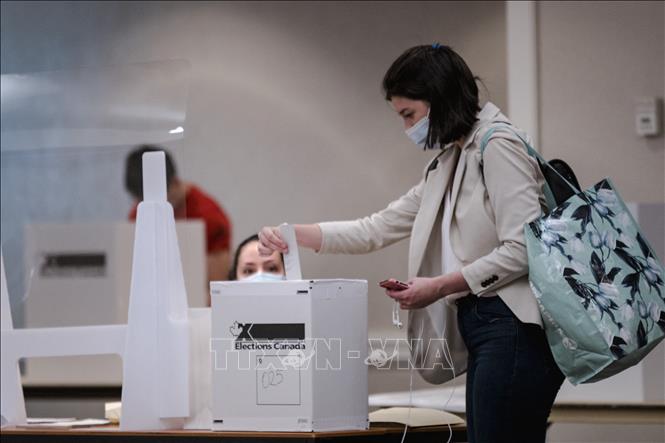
(549, 196)
(432, 165)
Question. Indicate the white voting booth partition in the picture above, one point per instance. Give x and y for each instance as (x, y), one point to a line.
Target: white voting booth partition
(289, 356)
(154, 345)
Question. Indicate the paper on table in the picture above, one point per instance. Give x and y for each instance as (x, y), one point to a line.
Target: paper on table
(419, 417)
(86, 422)
(32, 421)
(448, 398)
(291, 258)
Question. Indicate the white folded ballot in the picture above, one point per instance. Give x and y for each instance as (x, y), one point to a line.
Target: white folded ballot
(289, 355)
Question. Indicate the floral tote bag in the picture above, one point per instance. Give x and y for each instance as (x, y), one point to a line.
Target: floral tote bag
(598, 283)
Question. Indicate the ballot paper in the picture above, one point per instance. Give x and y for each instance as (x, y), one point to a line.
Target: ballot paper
(416, 417)
(291, 258)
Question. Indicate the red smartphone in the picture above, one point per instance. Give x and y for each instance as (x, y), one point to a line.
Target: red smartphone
(394, 285)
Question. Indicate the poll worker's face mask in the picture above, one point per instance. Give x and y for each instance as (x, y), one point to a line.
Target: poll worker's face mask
(265, 276)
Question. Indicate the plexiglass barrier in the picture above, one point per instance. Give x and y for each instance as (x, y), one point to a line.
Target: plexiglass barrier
(66, 235)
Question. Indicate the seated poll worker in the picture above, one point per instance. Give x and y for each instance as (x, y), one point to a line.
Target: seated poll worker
(465, 223)
(189, 202)
(249, 265)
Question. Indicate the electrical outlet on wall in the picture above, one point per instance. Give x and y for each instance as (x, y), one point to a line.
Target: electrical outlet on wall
(648, 116)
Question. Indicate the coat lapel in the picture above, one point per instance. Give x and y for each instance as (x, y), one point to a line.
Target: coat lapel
(438, 181)
(457, 181)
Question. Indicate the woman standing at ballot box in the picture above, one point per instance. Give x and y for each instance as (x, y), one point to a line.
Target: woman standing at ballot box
(467, 255)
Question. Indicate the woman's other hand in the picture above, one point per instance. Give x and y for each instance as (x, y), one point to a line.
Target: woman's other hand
(420, 293)
(424, 291)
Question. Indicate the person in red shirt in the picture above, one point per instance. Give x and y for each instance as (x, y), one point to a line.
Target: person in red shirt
(189, 202)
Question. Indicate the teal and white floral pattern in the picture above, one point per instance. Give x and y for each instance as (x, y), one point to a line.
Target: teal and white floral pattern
(588, 260)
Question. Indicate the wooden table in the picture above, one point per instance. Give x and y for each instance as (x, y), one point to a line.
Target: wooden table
(111, 434)
(561, 413)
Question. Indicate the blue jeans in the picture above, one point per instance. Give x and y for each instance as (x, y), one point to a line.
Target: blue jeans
(512, 378)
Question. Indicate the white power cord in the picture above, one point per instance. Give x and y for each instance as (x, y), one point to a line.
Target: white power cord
(408, 418)
(447, 356)
(396, 320)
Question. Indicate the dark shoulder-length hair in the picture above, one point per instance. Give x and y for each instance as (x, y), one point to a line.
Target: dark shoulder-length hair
(438, 75)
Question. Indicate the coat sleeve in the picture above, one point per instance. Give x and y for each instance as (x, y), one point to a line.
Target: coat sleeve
(515, 194)
(375, 231)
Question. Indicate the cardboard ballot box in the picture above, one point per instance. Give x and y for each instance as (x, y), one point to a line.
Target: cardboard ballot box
(289, 355)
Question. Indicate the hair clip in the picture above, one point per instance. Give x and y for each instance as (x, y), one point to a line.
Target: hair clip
(436, 45)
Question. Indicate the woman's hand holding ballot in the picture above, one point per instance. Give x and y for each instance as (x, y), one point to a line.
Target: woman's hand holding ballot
(270, 239)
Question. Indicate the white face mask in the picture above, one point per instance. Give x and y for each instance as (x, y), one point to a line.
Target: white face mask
(265, 276)
(418, 132)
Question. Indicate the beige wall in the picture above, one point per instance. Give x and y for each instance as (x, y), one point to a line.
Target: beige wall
(595, 59)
